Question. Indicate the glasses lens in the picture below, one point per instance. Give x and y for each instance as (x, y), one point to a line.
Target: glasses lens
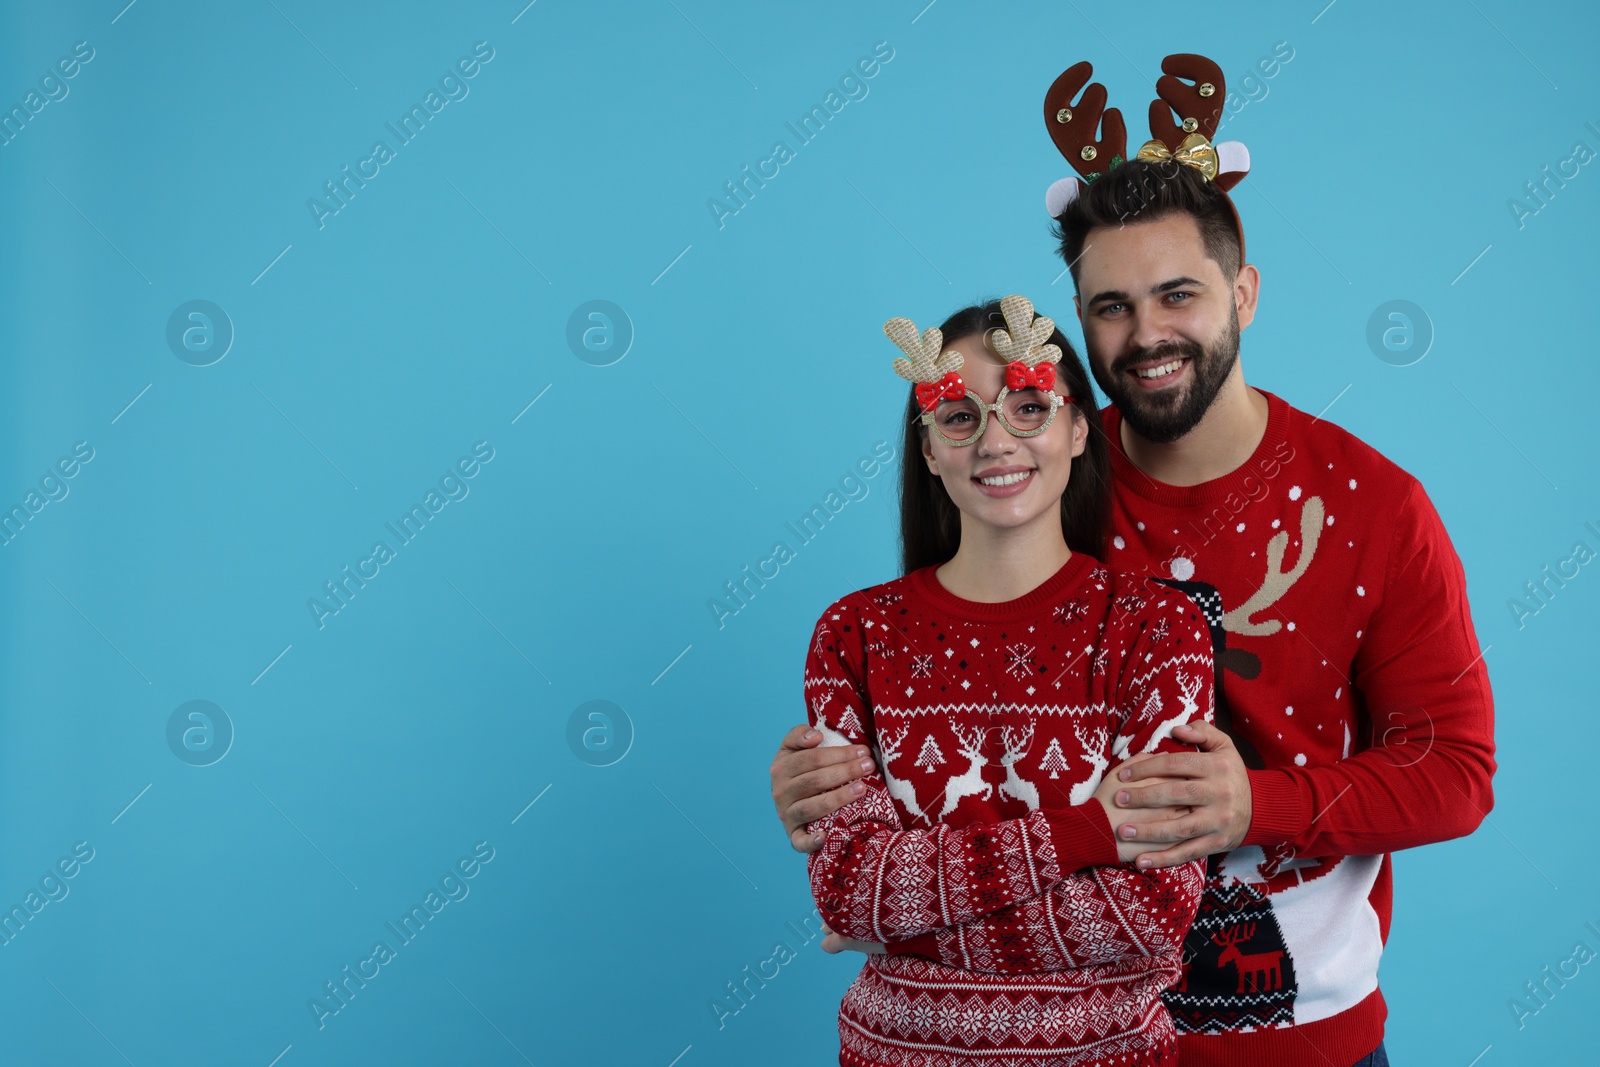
(1026, 409)
(957, 419)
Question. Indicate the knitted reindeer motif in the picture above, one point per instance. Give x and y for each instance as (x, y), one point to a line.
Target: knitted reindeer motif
(1188, 689)
(1015, 785)
(889, 744)
(1277, 580)
(969, 783)
(1258, 971)
(1274, 585)
(1093, 740)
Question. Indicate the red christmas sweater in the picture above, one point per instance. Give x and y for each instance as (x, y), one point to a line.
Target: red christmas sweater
(977, 851)
(1349, 675)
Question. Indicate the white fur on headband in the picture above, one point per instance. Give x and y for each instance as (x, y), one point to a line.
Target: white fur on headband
(1232, 156)
(1060, 194)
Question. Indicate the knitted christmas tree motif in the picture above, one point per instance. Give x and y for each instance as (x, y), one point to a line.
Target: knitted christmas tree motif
(1055, 760)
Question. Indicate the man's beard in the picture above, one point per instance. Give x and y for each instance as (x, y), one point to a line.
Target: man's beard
(1166, 416)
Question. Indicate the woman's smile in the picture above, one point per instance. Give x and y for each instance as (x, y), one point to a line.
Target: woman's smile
(1004, 481)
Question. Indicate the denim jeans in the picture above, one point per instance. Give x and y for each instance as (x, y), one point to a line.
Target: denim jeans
(1379, 1058)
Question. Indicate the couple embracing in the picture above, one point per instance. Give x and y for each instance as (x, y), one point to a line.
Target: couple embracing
(1111, 774)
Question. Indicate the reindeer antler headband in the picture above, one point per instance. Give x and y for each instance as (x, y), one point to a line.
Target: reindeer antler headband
(1183, 119)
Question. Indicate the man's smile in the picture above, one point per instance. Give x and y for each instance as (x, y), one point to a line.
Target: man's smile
(1159, 375)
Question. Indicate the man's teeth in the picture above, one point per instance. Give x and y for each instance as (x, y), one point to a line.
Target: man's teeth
(1006, 479)
(1156, 372)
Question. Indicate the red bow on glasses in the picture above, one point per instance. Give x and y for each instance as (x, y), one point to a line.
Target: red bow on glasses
(950, 387)
(1041, 375)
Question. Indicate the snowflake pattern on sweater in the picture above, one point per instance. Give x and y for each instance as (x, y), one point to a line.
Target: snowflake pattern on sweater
(977, 854)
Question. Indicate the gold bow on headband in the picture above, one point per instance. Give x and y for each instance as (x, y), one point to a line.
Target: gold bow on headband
(1195, 150)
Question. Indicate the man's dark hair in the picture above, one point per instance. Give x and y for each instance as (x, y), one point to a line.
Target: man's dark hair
(1143, 191)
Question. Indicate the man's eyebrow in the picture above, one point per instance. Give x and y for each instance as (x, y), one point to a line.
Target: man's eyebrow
(1168, 286)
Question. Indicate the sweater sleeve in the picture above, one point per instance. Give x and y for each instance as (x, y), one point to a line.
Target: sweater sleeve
(876, 880)
(1426, 776)
(1107, 913)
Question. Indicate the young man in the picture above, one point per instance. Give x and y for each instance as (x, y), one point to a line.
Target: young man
(1353, 706)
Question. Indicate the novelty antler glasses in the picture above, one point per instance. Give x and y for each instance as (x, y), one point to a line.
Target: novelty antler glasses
(1027, 403)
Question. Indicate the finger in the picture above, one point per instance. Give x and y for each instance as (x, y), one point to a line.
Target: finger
(1182, 793)
(1165, 765)
(1198, 849)
(1207, 735)
(1167, 831)
(789, 765)
(801, 737)
(820, 805)
(801, 777)
(805, 843)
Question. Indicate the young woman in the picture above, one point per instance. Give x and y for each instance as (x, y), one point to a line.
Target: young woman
(994, 682)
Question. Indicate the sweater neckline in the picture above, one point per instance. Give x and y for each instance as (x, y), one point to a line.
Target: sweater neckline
(1129, 477)
(927, 585)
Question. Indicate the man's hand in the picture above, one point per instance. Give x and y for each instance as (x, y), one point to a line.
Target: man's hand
(1212, 783)
(1130, 849)
(810, 782)
(840, 943)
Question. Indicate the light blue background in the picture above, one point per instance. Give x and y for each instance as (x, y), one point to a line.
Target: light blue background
(425, 316)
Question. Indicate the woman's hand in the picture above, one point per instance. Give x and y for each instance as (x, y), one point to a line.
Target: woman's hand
(839, 943)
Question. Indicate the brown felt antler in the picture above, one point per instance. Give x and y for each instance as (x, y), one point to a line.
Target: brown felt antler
(1183, 119)
(1073, 125)
(1181, 109)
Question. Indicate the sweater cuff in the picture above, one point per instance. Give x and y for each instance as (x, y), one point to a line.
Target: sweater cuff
(1082, 836)
(1278, 811)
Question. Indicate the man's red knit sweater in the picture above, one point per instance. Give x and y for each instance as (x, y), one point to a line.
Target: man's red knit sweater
(977, 851)
(1349, 675)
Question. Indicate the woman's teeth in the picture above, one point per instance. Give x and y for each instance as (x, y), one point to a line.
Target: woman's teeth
(1157, 372)
(1007, 479)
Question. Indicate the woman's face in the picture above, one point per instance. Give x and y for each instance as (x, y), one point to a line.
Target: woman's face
(982, 478)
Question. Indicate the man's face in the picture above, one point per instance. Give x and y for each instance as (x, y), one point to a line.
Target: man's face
(1160, 321)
